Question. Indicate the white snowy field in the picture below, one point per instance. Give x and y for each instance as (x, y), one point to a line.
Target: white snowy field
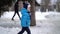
(46, 23)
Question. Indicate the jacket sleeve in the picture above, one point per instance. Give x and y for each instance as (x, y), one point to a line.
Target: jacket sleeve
(23, 21)
(28, 21)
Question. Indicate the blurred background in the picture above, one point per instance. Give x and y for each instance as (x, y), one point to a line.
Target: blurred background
(50, 5)
(45, 16)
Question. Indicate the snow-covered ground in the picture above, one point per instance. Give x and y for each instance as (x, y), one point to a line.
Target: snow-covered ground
(46, 23)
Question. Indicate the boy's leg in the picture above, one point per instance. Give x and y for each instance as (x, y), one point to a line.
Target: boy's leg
(22, 31)
(28, 30)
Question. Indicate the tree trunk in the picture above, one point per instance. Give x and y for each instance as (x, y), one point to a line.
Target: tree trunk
(33, 22)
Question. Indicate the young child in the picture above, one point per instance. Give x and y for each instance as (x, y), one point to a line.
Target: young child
(25, 20)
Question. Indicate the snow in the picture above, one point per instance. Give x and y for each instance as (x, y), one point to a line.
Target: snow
(38, 1)
(38, 15)
(10, 15)
(46, 23)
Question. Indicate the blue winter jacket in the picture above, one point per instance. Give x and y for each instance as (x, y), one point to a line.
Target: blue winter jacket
(25, 19)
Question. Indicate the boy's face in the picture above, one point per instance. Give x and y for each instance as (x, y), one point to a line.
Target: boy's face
(29, 8)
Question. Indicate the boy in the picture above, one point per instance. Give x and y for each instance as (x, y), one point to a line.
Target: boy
(25, 20)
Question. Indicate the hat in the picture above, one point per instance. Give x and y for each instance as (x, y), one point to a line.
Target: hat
(25, 5)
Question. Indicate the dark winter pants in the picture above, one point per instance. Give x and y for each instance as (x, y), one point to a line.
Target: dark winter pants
(16, 12)
(25, 29)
